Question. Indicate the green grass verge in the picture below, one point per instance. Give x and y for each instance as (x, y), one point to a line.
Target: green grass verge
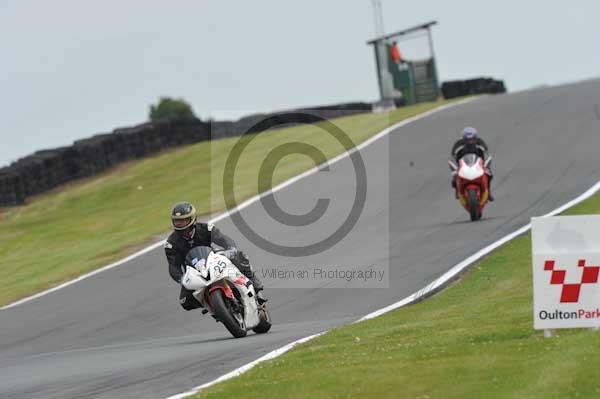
(88, 224)
(472, 340)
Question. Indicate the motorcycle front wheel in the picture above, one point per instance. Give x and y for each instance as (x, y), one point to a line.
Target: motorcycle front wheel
(224, 313)
(473, 204)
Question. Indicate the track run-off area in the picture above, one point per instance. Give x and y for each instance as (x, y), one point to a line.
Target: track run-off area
(121, 333)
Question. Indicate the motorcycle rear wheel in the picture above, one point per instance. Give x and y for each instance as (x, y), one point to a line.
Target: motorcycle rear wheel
(265, 321)
(224, 314)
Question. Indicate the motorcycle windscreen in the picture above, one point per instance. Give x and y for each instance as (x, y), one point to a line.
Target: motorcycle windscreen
(470, 159)
(197, 254)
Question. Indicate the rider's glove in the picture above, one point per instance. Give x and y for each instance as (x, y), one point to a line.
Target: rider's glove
(230, 253)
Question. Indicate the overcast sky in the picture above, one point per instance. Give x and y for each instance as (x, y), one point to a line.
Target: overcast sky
(72, 68)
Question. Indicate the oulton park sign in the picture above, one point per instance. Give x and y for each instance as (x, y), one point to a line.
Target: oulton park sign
(566, 271)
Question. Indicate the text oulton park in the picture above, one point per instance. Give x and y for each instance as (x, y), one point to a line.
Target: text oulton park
(576, 314)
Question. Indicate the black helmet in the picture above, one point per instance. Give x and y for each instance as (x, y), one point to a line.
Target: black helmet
(183, 218)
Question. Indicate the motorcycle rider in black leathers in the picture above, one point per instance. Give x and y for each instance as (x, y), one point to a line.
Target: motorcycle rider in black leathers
(471, 143)
(187, 234)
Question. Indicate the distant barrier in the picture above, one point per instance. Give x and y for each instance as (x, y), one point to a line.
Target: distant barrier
(47, 169)
(459, 88)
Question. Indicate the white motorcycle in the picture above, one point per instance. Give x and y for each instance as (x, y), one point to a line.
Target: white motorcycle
(224, 292)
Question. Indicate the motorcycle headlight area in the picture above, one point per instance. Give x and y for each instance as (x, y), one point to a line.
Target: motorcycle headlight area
(200, 265)
(205, 273)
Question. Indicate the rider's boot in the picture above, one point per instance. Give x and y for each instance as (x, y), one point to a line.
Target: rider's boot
(260, 299)
(258, 287)
(243, 264)
(453, 184)
(490, 196)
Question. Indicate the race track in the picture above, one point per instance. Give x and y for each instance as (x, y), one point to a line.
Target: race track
(122, 334)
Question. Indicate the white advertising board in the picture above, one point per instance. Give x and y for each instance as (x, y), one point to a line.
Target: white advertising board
(566, 271)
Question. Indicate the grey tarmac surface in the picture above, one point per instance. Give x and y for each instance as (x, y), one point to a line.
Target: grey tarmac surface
(122, 334)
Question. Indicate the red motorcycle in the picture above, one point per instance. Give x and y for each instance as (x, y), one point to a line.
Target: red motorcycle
(472, 183)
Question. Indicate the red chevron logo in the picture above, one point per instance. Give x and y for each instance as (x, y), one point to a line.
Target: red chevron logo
(570, 292)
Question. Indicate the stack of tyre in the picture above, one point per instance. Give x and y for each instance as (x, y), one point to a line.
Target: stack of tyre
(459, 88)
(47, 169)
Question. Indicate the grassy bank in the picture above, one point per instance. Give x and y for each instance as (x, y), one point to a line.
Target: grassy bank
(88, 224)
(473, 340)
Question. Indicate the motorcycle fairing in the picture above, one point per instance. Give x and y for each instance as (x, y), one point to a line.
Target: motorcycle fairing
(219, 273)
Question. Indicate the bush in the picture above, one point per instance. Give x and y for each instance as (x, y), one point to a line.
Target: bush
(170, 109)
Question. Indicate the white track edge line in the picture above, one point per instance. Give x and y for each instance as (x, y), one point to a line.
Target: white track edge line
(456, 269)
(343, 155)
(240, 370)
(403, 302)
(83, 277)
(248, 202)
